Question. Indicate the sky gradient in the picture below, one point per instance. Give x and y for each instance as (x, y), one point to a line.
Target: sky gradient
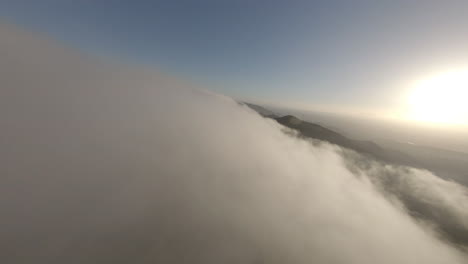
(356, 56)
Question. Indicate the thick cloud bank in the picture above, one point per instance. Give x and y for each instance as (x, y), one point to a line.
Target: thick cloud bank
(426, 197)
(109, 165)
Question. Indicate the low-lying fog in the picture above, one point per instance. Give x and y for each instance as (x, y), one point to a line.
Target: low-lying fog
(106, 164)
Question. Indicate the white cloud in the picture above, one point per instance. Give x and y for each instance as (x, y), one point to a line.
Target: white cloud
(105, 164)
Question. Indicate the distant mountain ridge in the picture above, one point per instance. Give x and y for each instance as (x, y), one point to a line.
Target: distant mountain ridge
(452, 169)
(313, 130)
(261, 110)
(316, 131)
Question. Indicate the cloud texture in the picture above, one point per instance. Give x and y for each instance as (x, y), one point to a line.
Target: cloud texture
(107, 164)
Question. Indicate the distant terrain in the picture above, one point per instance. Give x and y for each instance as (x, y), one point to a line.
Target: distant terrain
(448, 164)
(373, 160)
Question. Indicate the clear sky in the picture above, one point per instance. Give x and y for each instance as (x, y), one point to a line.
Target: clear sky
(346, 55)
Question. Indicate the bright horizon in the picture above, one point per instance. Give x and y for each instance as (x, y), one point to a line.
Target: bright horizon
(394, 59)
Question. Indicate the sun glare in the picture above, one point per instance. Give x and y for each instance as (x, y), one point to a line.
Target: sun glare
(441, 99)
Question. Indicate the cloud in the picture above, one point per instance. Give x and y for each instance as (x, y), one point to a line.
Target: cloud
(115, 164)
(425, 196)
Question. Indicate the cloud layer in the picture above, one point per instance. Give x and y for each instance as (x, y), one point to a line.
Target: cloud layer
(110, 164)
(425, 196)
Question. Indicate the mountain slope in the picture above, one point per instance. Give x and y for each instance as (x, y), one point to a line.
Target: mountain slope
(315, 131)
(261, 110)
(451, 167)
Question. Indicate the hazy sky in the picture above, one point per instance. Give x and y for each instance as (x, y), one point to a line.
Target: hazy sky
(357, 55)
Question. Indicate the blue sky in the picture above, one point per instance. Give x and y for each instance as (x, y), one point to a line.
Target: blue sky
(346, 54)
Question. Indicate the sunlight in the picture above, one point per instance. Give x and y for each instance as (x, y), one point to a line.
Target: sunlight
(440, 99)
